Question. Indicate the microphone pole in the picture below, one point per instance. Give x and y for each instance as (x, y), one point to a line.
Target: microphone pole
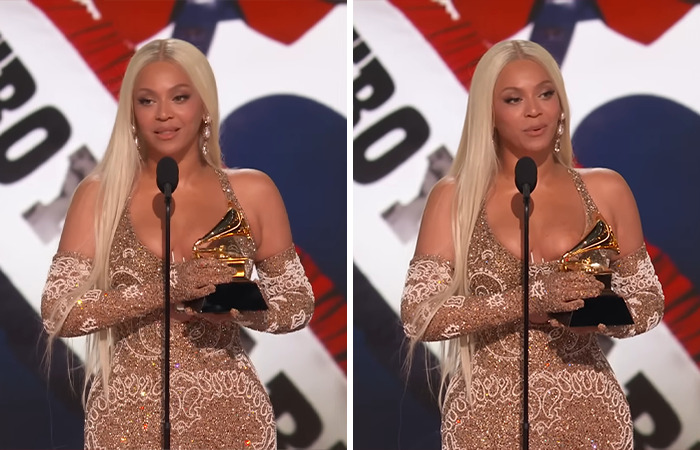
(526, 180)
(166, 178)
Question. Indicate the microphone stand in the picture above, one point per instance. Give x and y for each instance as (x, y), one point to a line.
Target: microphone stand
(166, 322)
(526, 313)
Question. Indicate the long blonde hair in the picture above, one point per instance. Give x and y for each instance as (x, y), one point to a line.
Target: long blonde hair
(117, 172)
(473, 169)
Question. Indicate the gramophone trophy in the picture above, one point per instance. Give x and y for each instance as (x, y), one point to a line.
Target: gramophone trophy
(225, 242)
(591, 255)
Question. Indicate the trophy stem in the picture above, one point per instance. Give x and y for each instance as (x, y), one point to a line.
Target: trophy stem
(608, 308)
(606, 279)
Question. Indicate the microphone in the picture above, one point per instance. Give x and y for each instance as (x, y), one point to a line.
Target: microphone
(525, 181)
(526, 175)
(167, 175)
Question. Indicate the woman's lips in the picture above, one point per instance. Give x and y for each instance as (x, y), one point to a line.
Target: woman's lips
(535, 131)
(166, 133)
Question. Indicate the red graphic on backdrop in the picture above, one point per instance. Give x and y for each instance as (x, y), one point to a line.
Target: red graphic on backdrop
(282, 20)
(106, 44)
(682, 314)
(461, 42)
(329, 322)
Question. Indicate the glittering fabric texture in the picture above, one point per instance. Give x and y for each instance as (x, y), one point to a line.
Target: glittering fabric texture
(216, 397)
(96, 309)
(575, 401)
(635, 280)
(287, 292)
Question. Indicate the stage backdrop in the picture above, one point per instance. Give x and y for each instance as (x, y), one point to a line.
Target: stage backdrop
(631, 74)
(281, 69)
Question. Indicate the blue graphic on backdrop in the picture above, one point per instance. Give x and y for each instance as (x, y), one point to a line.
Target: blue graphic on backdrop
(652, 142)
(297, 142)
(39, 412)
(196, 22)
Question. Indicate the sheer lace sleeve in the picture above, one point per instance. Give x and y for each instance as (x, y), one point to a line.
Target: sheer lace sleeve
(288, 294)
(95, 309)
(458, 315)
(635, 280)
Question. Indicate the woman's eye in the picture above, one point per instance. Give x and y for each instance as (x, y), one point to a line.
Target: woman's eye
(145, 101)
(181, 98)
(512, 100)
(548, 94)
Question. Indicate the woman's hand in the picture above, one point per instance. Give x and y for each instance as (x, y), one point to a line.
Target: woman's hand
(177, 313)
(198, 278)
(562, 292)
(601, 328)
(189, 313)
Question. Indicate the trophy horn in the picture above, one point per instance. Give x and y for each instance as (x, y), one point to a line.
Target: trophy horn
(585, 256)
(227, 226)
(224, 241)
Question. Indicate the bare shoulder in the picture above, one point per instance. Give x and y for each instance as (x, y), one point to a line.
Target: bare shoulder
(607, 187)
(435, 234)
(445, 185)
(87, 190)
(79, 228)
(248, 183)
(600, 176)
(615, 201)
(264, 207)
(438, 207)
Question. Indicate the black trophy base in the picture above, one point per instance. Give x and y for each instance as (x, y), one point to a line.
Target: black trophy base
(608, 308)
(243, 296)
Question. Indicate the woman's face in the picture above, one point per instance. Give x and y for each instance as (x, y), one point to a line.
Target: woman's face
(526, 108)
(167, 109)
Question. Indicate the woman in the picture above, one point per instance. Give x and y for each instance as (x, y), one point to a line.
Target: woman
(106, 279)
(464, 282)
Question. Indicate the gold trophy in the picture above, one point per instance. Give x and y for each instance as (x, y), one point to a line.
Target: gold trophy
(592, 255)
(226, 242)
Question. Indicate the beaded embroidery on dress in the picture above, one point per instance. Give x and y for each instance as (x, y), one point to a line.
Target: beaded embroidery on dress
(216, 397)
(575, 401)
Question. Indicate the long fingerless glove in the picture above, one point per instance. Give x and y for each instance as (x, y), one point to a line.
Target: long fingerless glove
(459, 315)
(634, 279)
(287, 292)
(96, 309)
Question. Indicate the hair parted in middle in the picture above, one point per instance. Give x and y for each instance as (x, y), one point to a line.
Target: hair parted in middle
(473, 169)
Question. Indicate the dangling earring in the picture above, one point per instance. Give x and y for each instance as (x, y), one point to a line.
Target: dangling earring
(206, 134)
(135, 137)
(560, 131)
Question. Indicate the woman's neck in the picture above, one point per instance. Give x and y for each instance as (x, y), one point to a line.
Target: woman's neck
(547, 167)
(191, 167)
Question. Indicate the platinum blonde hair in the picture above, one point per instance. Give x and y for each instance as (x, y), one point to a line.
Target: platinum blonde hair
(473, 170)
(117, 172)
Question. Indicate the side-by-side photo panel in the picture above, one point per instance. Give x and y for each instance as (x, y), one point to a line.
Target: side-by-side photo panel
(173, 260)
(540, 151)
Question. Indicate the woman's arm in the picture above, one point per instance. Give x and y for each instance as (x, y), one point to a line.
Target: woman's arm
(68, 315)
(430, 273)
(634, 277)
(282, 280)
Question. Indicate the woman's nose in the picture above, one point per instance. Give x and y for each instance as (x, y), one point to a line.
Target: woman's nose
(164, 112)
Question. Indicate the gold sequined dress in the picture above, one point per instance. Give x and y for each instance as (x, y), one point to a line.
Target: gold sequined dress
(216, 397)
(575, 401)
